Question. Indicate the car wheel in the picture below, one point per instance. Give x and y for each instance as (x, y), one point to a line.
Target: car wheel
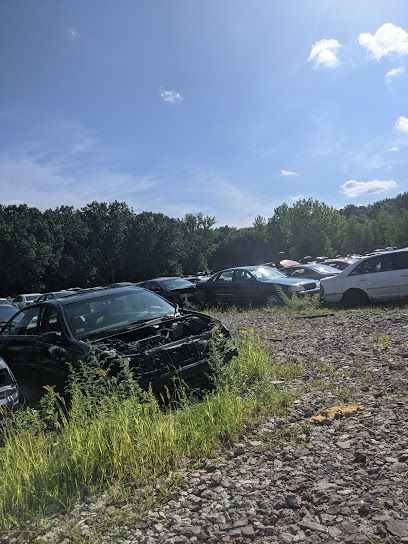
(273, 300)
(354, 298)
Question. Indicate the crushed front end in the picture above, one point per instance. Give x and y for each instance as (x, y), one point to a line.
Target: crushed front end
(179, 347)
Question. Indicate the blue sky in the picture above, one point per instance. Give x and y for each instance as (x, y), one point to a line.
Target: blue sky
(228, 107)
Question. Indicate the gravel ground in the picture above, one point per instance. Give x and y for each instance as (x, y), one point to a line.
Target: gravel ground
(291, 480)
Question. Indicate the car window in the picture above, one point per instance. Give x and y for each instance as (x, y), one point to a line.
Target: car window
(18, 299)
(242, 276)
(382, 263)
(225, 277)
(299, 272)
(25, 322)
(401, 260)
(50, 321)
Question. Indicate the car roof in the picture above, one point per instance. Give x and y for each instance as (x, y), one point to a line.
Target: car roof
(385, 252)
(89, 294)
(167, 278)
(249, 267)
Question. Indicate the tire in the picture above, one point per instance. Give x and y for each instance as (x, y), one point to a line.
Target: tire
(354, 298)
(273, 300)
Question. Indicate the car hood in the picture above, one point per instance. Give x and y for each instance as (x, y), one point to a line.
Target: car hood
(288, 281)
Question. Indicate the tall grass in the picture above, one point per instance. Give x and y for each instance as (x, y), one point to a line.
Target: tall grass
(112, 433)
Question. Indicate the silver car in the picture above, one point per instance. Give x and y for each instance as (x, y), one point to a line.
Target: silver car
(21, 301)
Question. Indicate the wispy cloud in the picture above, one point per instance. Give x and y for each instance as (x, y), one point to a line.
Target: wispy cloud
(388, 39)
(402, 124)
(295, 198)
(71, 33)
(324, 53)
(288, 173)
(353, 188)
(394, 72)
(171, 97)
(393, 149)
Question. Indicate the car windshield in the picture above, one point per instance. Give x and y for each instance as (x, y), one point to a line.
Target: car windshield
(176, 283)
(7, 312)
(325, 269)
(32, 297)
(265, 273)
(115, 311)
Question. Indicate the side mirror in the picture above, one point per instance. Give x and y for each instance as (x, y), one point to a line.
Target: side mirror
(50, 337)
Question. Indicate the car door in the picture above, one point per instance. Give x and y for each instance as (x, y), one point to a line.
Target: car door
(377, 277)
(52, 354)
(223, 288)
(245, 286)
(19, 348)
(401, 266)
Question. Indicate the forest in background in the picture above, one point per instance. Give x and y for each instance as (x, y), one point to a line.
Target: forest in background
(101, 242)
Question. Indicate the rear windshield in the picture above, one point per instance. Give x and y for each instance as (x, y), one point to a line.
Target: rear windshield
(176, 283)
(32, 297)
(266, 273)
(324, 268)
(115, 311)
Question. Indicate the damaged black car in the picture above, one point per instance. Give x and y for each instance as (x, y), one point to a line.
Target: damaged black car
(9, 397)
(156, 339)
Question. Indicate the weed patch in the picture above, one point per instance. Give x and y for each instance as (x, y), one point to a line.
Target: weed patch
(112, 433)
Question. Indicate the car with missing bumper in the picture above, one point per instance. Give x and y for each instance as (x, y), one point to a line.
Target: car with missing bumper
(253, 285)
(157, 340)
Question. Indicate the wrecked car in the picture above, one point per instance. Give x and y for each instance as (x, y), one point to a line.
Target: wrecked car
(156, 339)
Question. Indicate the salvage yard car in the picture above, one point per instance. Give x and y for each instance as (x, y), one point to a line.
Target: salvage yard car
(383, 277)
(253, 285)
(173, 289)
(21, 301)
(157, 340)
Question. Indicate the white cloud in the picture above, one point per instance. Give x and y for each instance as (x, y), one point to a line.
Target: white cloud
(288, 173)
(71, 33)
(295, 198)
(171, 97)
(393, 73)
(402, 124)
(393, 149)
(353, 188)
(324, 53)
(389, 39)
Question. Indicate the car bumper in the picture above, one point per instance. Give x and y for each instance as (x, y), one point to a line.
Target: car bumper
(332, 297)
(309, 292)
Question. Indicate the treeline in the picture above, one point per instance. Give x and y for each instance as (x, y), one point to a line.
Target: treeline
(101, 242)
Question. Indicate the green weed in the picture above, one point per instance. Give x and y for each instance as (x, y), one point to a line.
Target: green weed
(112, 433)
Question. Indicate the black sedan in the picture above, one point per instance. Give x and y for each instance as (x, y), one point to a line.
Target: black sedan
(158, 340)
(313, 271)
(253, 285)
(173, 289)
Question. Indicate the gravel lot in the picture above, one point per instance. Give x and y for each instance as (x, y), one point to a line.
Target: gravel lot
(290, 480)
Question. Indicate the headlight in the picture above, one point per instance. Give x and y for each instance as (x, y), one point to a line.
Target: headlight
(298, 287)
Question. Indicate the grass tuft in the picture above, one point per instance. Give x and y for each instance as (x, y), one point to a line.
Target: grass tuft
(112, 433)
